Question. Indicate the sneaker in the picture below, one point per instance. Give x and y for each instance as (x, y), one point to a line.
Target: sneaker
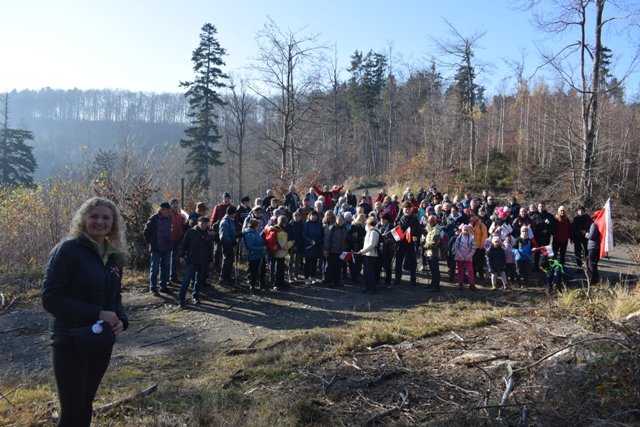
(155, 292)
(195, 301)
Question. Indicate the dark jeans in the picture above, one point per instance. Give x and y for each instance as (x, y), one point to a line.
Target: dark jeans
(510, 269)
(228, 255)
(406, 258)
(451, 266)
(257, 273)
(160, 261)
(334, 269)
(434, 268)
(355, 268)
(592, 265)
(580, 249)
(370, 272)
(217, 255)
(196, 274)
(310, 267)
(560, 250)
(479, 262)
(524, 270)
(386, 263)
(175, 254)
(278, 275)
(78, 374)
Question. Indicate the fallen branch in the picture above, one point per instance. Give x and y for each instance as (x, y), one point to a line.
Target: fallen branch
(5, 308)
(144, 393)
(251, 349)
(586, 341)
(404, 396)
(164, 340)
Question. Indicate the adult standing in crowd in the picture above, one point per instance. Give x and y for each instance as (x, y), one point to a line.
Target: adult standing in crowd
(178, 227)
(543, 224)
(369, 254)
(196, 249)
(292, 199)
(561, 234)
(580, 227)
(81, 290)
(593, 252)
(406, 256)
(219, 211)
(227, 236)
(157, 234)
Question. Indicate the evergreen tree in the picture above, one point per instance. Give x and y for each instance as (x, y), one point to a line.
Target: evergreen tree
(203, 98)
(17, 163)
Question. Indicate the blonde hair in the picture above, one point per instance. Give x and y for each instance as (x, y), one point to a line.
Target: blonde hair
(360, 219)
(116, 237)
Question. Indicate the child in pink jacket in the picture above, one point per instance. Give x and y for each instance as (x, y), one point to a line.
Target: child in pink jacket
(465, 247)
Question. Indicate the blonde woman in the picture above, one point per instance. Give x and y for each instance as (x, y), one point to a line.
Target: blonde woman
(81, 290)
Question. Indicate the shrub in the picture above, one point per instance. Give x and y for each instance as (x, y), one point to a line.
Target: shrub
(32, 221)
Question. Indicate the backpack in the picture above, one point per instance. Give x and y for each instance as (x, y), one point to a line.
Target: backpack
(270, 236)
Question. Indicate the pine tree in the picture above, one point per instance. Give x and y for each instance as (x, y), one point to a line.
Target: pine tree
(17, 163)
(203, 98)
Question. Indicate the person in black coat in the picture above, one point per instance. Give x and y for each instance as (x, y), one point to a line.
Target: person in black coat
(197, 251)
(543, 224)
(406, 255)
(157, 234)
(81, 290)
(579, 229)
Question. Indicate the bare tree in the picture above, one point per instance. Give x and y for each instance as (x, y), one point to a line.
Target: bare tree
(239, 106)
(586, 19)
(286, 68)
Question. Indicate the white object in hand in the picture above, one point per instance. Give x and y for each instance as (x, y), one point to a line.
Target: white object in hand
(96, 328)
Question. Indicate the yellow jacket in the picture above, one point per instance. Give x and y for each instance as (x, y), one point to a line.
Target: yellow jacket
(283, 243)
(480, 234)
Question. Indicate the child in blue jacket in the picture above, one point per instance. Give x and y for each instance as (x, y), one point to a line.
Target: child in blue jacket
(256, 251)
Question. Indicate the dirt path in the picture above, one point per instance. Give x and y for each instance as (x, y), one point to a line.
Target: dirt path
(232, 318)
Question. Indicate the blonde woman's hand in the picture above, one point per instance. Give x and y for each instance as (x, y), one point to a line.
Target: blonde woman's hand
(110, 317)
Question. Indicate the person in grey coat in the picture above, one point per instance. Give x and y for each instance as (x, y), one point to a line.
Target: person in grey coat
(593, 252)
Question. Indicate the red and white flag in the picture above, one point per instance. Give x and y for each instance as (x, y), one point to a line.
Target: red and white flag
(602, 219)
(397, 233)
(346, 256)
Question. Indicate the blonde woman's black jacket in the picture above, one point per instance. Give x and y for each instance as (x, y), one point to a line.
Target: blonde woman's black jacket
(78, 285)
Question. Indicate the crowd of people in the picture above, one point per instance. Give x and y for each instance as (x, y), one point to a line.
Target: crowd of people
(330, 234)
(323, 236)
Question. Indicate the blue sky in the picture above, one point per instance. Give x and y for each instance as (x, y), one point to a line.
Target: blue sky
(146, 45)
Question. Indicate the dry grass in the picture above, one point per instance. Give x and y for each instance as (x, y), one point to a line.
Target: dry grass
(191, 379)
(602, 302)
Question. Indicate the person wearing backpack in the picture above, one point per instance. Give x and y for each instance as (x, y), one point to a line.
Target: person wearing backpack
(256, 251)
(335, 242)
(369, 254)
(227, 236)
(432, 251)
(313, 236)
